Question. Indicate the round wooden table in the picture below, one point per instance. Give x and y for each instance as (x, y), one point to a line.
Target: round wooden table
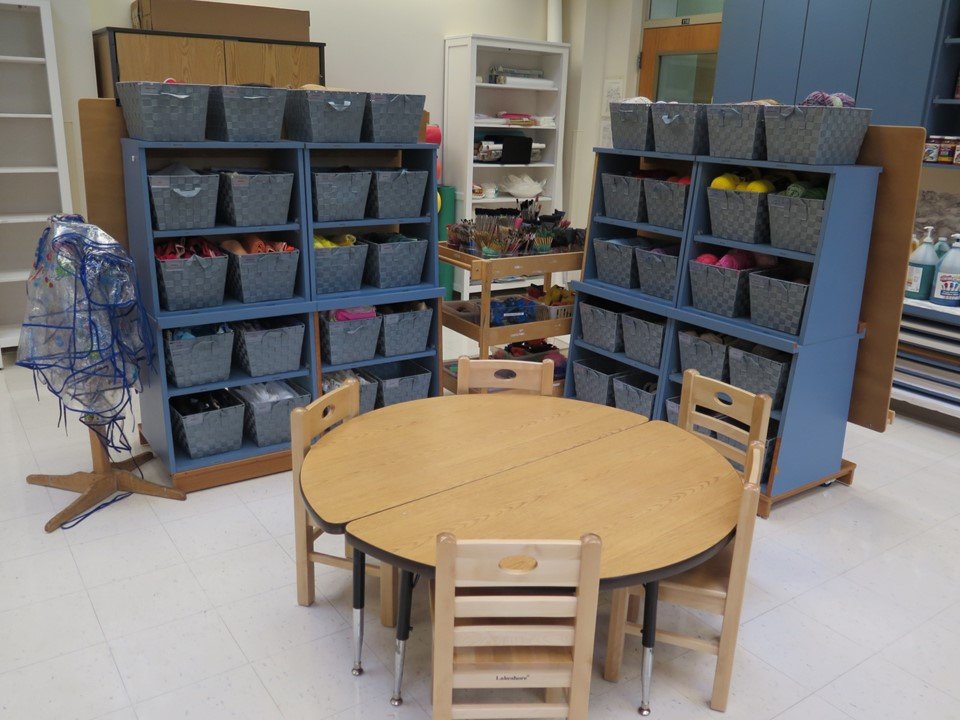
(520, 467)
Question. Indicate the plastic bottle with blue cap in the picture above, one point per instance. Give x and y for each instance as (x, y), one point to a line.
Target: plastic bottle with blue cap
(922, 269)
(946, 286)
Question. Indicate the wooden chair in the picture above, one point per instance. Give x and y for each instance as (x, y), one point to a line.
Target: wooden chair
(717, 586)
(514, 614)
(306, 424)
(504, 375)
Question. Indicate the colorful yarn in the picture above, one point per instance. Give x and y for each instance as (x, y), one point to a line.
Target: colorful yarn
(819, 98)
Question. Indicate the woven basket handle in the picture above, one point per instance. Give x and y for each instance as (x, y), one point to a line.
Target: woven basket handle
(668, 119)
(788, 110)
(205, 263)
(724, 110)
(339, 107)
(274, 334)
(797, 202)
(187, 193)
(175, 96)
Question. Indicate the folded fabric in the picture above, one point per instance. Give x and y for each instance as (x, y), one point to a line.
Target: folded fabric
(253, 244)
(343, 240)
(382, 238)
(186, 248)
(176, 169)
(353, 313)
(190, 333)
(233, 246)
(279, 246)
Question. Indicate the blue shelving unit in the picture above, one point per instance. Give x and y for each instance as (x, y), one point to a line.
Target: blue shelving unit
(811, 425)
(141, 157)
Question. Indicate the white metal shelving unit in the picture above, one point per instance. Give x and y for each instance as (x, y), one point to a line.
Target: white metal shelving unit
(468, 57)
(34, 180)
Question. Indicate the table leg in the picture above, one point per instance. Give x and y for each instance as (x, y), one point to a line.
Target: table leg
(403, 633)
(359, 592)
(650, 592)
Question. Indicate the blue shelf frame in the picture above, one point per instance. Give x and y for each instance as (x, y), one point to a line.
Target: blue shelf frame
(811, 424)
(139, 156)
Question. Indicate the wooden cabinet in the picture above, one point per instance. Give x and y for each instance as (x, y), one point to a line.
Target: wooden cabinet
(277, 65)
(778, 52)
(124, 54)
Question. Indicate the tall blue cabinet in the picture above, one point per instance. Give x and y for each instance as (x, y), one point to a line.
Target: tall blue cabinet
(809, 429)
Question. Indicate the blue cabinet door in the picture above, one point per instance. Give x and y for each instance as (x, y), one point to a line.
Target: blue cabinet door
(833, 46)
(737, 57)
(898, 59)
(778, 53)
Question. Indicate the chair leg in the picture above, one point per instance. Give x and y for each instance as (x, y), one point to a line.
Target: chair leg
(303, 540)
(651, 592)
(725, 655)
(359, 592)
(616, 634)
(403, 634)
(388, 595)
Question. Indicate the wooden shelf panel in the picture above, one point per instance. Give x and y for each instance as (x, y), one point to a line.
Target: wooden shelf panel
(516, 265)
(647, 227)
(498, 86)
(238, 378)
(764, 249)
(226, 230)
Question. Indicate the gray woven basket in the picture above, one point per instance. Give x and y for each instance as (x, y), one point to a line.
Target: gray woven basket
(273, 350)
(815, 135)
(268, 423)
(673, 416)
(397, 193)
(339, 269)
(628, 393)
(739, 216)
(623, 197)
(769, 447)
(324, 116)
(389, 118)
(198, 360)
(759, 374)
(196, 282)
(593, 379)
(795, 223)
(630, 126)
(239, 113)
(395, 264)
(736, 131)
(160, 112)
(348, 341)
(183, 202)
(405, 332)
(657, 273)
(368, 393)
(616, 263)
(213, 432)
(600, 326)
(340, 195)
(400, 382)
(642, 339)
(706, 357)
(260, 277)
(680, 128)
(666, 202)
(776, 303)
(253, 199)
(719, 290)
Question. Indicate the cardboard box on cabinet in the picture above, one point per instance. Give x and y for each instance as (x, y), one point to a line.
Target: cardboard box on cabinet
(216, 18)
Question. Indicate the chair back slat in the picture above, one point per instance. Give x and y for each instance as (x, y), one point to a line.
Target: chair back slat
(514, 614)
(532, 377)
(310, 422)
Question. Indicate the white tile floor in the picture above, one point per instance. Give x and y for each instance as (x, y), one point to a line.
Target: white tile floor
(158, 609)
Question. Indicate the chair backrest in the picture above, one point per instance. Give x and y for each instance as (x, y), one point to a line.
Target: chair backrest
(308, 423)
(504, 375)
(518, 613)
(703, 399)
(746, 521)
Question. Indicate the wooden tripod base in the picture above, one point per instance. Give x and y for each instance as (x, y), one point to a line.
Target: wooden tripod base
(106, 479)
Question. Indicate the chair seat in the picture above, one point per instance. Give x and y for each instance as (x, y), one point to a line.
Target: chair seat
(711, 577)
(505, 667)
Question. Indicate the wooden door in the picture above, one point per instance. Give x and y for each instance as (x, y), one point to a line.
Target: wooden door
(677, 40)
(273, 64)
(158, 57)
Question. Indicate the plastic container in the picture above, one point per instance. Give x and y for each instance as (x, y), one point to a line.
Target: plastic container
(512, 310)
(946, 285)
(922, 269)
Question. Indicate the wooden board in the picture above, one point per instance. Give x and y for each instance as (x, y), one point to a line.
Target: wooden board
(898, 151)
(101, 127)
(158, 57)
(277, 65)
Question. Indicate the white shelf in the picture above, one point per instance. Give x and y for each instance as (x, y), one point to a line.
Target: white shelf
(29, 218)
(514, 165)
(506, 199)
(22, 60)
(12, 276)
(25, 116)
(27, 170)
(498, 86)
(503, 126)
